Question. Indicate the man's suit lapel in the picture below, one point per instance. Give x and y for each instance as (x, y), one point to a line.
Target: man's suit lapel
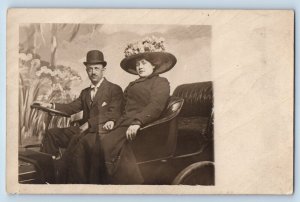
(88, 98)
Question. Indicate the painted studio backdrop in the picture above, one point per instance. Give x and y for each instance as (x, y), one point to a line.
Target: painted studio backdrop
(51, 62)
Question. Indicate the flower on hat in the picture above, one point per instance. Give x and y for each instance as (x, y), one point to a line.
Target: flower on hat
(148, 44)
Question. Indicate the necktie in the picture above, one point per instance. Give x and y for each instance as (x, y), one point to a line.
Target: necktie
(93, 93)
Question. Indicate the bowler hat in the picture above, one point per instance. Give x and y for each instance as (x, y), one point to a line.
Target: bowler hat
(95, 57)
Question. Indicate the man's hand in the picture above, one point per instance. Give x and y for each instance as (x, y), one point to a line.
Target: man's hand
(132, 131)
(84, 127)
(43, 104)
(109, 125)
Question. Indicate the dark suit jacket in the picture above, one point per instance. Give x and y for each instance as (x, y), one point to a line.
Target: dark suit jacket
(145, 99)
(105, 107)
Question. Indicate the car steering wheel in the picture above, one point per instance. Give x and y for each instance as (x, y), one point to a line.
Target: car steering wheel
(52, 112)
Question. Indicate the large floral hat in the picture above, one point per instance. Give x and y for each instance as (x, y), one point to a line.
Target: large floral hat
(151, 49)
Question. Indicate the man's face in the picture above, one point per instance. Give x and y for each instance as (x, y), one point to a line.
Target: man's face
(95, 72)
(144, 68)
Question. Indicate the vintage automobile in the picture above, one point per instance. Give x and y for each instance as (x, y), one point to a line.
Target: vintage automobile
(178, 148)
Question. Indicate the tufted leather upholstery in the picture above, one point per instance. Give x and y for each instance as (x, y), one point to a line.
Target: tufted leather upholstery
(195, 121)
(198, 98)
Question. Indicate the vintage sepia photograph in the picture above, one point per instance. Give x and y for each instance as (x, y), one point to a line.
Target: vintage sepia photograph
(150, 101)
(115, 104)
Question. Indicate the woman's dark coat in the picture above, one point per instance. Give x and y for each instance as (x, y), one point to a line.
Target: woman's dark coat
(145, 99)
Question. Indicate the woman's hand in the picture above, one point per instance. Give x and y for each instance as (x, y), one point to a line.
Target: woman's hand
(109, 125)
(132, 131)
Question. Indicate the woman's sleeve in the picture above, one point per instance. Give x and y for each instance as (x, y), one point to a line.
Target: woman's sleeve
(160, 93)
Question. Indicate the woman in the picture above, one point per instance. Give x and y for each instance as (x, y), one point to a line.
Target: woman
(145, 99)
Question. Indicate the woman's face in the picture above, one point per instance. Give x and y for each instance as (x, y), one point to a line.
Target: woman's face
(144, 68)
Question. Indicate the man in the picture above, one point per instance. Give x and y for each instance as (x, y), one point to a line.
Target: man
(101, 105)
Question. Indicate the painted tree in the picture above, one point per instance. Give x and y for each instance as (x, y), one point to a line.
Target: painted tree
(36, 39)
(49, 36)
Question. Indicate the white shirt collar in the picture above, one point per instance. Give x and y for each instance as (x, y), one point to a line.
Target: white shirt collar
(98, 84)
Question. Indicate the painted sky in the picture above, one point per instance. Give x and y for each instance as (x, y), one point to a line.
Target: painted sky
(190, 44)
